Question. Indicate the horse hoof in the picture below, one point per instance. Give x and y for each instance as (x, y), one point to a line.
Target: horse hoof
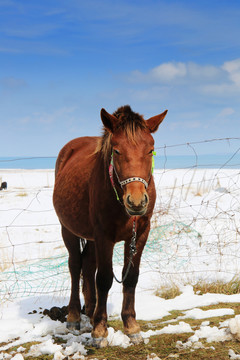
(135, 338)
(100, 342)
(74, 325)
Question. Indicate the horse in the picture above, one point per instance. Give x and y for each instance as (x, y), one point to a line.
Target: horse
(104, 192)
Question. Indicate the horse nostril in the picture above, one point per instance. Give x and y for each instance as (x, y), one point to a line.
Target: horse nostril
(129, 201)
(145, 200)
(142, 203)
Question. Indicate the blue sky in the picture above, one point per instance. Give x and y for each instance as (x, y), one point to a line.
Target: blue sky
(61, 61)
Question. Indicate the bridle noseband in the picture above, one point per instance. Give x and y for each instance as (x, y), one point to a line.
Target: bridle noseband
(127, 181)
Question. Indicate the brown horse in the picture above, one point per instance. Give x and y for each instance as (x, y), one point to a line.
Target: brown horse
(103, 188)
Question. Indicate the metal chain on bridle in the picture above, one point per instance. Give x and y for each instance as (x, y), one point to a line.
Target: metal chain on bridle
(132, 252)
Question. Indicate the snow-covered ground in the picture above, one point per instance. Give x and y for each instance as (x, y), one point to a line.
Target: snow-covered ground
(195, 235)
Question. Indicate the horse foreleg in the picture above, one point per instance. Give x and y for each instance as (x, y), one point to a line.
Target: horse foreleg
(88, 272)
(72, 243)
(104, 279)
(131, 327)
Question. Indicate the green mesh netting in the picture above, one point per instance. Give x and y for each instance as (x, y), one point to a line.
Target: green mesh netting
(51, 275)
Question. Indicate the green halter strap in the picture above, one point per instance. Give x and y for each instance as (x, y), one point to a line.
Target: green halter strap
(153, 160)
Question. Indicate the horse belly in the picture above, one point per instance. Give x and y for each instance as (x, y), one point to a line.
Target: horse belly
(71, 202)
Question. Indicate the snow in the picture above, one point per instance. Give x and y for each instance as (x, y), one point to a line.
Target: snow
(29, 232)
(182, 327)
(232, 355)
(234, 327)
(201, 314)
(211, 333)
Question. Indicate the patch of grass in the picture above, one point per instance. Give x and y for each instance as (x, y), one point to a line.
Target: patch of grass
(202, 287)
(42, 357)
(26, 346)
(22, 194)
(116, 324)
(234, 306)
(220, 351)
(174, 314)
(218, 287)
(147, 325)
(162, 346)
(168, 292)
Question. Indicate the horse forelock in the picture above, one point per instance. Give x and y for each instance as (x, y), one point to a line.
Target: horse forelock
(129, 121)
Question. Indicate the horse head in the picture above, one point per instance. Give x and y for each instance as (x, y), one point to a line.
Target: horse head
(132, 147)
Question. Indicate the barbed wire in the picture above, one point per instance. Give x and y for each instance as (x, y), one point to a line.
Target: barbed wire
(228, 139)
(195, 227)
(27, 158)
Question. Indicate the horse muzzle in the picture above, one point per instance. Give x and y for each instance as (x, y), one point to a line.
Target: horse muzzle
(136, 205)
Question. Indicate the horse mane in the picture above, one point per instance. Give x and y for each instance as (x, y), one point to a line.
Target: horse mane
(129, 122)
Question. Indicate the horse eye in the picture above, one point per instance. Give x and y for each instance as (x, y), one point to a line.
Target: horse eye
(116, 151)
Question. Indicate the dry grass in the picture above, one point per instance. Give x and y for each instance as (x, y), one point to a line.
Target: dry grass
(22, 194)
(202, 287)
(218, 287)
(168, 292)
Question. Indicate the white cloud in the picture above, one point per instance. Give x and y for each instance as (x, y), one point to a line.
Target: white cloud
(168, 71)
(233, 69)
(226, 112)
(232, 66)
(175, 71)
(221, 81)
(202, 71)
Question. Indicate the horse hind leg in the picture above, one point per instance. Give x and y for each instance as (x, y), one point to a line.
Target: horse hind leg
(88, 273)
(72, 243)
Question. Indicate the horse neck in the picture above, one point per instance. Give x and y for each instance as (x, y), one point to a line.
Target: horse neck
(101, 166)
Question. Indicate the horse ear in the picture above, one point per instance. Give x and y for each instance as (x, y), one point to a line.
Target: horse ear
(109, 121)
(154, 122)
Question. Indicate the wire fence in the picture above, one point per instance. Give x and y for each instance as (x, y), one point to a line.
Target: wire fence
(195, 227)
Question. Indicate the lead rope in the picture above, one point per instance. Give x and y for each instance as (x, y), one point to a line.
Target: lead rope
(132, 251)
